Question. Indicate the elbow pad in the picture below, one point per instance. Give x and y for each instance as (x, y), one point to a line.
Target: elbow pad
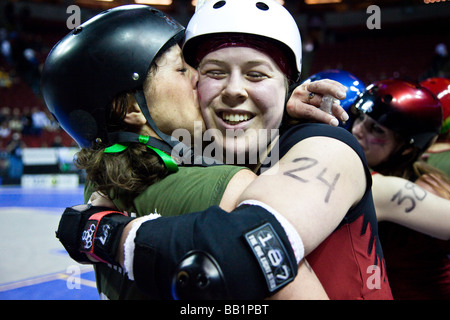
(244, 254)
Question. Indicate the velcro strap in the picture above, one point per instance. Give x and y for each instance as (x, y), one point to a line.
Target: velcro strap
(101, 235)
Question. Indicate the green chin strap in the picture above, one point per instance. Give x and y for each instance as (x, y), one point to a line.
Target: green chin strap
(168, 161)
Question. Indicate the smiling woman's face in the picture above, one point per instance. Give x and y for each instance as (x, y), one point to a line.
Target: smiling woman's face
(241, 91)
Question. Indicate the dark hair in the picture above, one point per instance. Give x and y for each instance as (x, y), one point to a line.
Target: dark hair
(400, 164)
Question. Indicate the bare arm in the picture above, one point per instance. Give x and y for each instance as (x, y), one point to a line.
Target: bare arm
(235, 187)
(313, 187)
(406, 203)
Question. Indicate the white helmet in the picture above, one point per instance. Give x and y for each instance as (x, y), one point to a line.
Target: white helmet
(265, 18)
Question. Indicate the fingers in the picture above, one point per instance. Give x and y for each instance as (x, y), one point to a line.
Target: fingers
(339, 112)
(314, 98)
(307, 100)
(332, 106)
(301, 110)
(327, 86)
(327, 102)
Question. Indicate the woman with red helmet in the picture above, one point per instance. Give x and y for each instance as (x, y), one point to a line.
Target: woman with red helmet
(399, 121)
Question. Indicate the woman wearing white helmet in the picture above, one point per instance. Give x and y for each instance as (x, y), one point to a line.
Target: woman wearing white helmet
(265, 28)
(225, 40)
(264, 19)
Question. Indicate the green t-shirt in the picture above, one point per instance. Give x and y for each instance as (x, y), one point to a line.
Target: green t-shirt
(191, 189)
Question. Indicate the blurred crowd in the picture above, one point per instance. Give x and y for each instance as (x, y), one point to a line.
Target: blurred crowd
(22, 128)
(24, 119)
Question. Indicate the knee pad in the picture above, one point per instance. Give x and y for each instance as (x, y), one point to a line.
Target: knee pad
(244, 254)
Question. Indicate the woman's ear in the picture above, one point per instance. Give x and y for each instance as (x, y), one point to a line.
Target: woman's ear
(134, 116)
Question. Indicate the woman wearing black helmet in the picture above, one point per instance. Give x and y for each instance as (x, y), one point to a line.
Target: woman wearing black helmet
(399, 121)
(90, 80)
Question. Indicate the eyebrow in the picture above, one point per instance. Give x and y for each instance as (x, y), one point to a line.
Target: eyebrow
(213, 61)
(250, 63)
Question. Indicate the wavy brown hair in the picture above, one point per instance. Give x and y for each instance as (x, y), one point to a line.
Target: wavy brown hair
(127, 173)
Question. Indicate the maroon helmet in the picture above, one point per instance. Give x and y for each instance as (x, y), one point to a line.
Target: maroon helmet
(404, 107)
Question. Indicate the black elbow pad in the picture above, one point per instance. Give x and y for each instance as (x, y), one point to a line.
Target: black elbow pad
(244, 254)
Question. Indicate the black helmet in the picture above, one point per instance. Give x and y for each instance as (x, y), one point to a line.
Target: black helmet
(107, 55)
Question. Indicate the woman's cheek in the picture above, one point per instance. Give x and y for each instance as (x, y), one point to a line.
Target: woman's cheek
(377, 141)
(205, 91)
(270, 98)
(274, 113)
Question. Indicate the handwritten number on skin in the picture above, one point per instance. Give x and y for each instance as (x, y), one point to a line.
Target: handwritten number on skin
(307, 163)
(417, 194)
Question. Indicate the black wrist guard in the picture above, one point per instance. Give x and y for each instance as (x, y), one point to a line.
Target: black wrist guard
(91, 233)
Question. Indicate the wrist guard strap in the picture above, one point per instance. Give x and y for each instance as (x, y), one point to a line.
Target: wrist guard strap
(101, 235)
(89, 232)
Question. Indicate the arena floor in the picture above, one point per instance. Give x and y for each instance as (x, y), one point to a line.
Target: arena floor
(33, 263)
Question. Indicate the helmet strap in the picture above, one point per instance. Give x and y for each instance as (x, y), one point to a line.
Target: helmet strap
(169, 162)
(171, 142)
